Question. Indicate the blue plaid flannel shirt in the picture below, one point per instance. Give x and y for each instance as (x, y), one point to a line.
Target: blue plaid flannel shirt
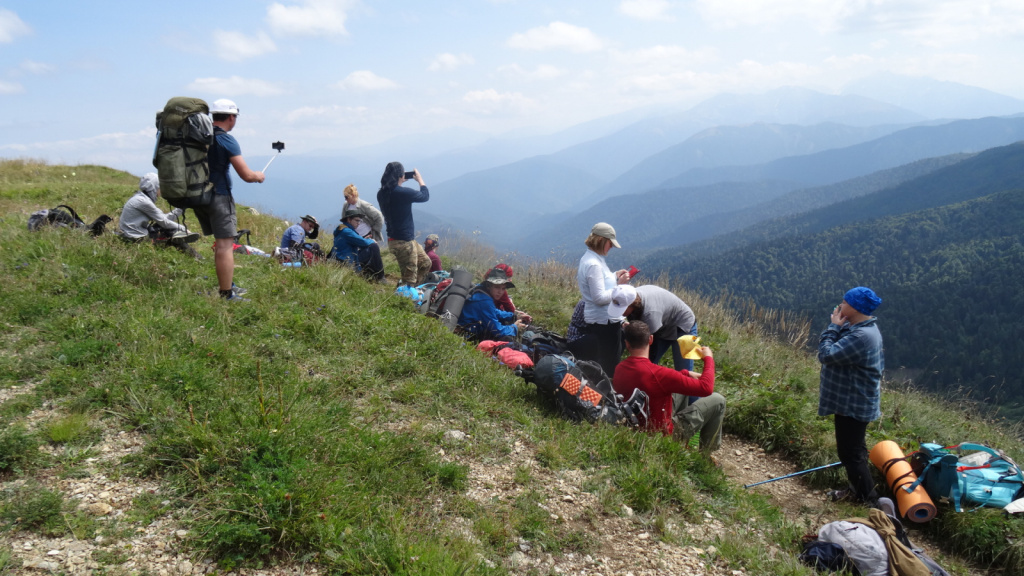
(852, 361)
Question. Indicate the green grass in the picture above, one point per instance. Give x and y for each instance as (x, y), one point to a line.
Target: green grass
(311, 422)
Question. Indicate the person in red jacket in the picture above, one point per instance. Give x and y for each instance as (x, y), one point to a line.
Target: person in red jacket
(659, 383)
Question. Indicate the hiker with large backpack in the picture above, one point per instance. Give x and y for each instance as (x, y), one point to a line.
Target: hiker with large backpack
(637, 372)
(850, 352)
(482, 320)
(218, 217)
(142, 219)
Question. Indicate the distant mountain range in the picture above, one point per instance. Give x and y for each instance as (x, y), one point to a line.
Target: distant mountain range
(945, 250)
(707, 202)
(538, 176)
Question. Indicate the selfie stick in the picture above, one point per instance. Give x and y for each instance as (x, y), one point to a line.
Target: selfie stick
(279, 146)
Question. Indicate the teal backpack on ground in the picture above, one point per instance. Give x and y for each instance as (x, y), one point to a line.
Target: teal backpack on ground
(184, 133)
(967, 473)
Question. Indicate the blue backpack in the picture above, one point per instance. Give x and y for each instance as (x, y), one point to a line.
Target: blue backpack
(985, 477)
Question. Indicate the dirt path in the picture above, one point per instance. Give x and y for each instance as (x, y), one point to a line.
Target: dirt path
(746, 463)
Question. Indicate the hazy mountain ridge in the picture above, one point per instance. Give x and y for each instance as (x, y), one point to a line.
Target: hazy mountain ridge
(737, 146)
(944, 250)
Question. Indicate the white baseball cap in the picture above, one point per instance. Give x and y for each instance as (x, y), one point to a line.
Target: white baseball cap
(623, 297)
(224, 106)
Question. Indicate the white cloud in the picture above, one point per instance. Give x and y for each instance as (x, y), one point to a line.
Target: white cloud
(490, 101)
(646, 9)
(235, 86)
(447, 62)
(11, 88)
(113, 149)
(541, 72)
(557, 35)
(929, 22)
(11, 26)
(364, 80)
(309, 18)
(235, 46)
(33, 67)
(333, 113)
(662, 56)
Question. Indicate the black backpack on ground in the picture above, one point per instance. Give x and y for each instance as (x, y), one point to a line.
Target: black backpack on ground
(543, 343)
(64, 216)
(583, 392)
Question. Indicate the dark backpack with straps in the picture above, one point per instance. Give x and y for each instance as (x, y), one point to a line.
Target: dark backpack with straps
(584, 393)
(184, 134)
(64, 216)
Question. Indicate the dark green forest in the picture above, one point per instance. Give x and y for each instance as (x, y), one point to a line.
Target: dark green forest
(943, 251)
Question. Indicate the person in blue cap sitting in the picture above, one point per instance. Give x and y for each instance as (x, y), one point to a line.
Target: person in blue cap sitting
(852, 361)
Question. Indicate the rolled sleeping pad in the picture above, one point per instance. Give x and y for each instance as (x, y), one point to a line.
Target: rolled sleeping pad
(462, 283)
(915, 506)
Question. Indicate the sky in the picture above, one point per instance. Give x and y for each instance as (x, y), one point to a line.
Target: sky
(80, 82)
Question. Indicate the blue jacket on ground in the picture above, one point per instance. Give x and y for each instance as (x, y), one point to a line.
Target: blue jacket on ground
(481, 318)
(347, 243)
(397, 208)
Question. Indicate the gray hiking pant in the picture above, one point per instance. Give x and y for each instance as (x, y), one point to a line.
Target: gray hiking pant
(704, 416)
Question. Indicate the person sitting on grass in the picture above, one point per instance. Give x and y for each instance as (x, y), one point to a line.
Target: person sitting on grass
(482, 320)
(363, 254)
(660, 383)
(505, 302)
(429, 246)
(295, 235)
(141, 219)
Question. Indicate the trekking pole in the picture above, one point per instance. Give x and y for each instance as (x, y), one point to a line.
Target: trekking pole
(802, 472)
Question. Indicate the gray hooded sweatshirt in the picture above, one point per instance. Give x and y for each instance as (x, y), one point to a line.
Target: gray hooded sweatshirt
(141, 209)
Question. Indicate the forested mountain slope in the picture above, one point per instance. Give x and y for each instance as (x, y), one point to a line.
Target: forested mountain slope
(948, 267)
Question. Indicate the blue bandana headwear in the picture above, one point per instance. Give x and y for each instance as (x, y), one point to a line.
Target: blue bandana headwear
(863, 300)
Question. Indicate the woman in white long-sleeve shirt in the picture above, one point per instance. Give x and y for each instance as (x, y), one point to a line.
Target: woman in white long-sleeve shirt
(602, 337)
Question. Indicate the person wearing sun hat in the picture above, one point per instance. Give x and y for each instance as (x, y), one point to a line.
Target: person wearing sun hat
(852, 360)
(482, 320)
(350, 248)
(296, 233)
(602, 334)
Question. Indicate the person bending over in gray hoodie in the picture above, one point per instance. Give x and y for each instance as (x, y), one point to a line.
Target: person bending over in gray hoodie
(142, 219)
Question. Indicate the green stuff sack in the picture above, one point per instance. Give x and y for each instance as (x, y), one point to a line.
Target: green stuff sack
(184, 135)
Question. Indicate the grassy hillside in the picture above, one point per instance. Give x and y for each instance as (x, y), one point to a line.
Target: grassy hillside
(325, 423)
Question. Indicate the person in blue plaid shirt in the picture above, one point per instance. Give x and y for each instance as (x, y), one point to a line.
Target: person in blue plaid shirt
(852, 360)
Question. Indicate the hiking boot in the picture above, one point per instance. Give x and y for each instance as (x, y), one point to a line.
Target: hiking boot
(235, 298)
(843, 495)
(238, 290)
(185, 236)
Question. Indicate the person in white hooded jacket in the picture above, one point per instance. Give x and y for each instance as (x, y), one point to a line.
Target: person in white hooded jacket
(140, 210)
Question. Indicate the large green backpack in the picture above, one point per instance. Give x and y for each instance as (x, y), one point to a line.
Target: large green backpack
(184, 133)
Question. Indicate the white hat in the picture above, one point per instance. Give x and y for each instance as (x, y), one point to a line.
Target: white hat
(224, 106)
(623, 297)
